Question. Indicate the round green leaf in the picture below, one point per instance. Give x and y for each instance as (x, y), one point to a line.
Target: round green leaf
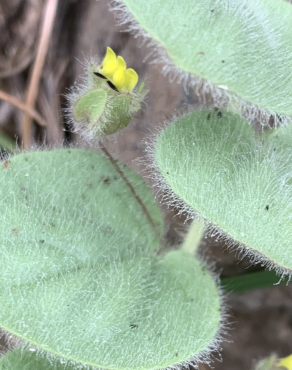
(239, 182)
(79, 278)
(242, 47)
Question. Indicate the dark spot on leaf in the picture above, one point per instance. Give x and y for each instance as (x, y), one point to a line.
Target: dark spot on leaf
(167, 172)
(176, 355)
(84, 197)
(215, 109)
(192, 300)
(106, 180)
(92, 167)
(208, 116)
(219, 114)
(6, 164)
(133, 326)
(26, 159)
(23, 188)
(53, 225)
(14, 231)
(267, 207)
(69, 151)
(223, 61)
(212, 10)
(158, 334)
(89, 185)
(42, 241)
(201, 53)
(115, 177)
(274, 149)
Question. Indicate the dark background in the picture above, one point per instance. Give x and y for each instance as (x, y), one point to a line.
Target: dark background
(260, 320)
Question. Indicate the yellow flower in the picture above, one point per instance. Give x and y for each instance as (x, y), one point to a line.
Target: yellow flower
(115, 70)
(286, 362)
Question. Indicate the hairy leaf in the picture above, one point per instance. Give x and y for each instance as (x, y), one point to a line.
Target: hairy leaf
(243, 47)
(238, 181)
(79, 278)
(28, 360)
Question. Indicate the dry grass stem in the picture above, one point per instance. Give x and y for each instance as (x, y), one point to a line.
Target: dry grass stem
(33, 85)
(22, 106)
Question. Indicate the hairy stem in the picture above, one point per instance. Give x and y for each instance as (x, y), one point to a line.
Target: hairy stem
(132, 190)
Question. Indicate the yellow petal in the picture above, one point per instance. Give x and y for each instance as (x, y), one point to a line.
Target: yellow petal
(121, 63)
(119, 79)
(286, 362)
(131, 79)
(109, 64)
(109, 69)
(110, 57)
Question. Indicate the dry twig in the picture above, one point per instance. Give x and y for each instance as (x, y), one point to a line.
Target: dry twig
(22, 106)
(46, 30)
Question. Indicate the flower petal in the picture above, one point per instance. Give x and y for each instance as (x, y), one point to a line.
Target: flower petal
(286, 362)
(131, 79)
(121, 63)
(110, 57)
(109, 64)
(119, 79)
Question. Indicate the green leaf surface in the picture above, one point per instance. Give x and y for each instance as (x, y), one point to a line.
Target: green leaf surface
(250, 281)
(90, 107)
(7, 143)
(28, 360)
(239, 182)
(117, 114)
(79, 278)
(244, 47)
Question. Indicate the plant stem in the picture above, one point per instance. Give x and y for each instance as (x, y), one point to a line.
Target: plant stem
(131, 188)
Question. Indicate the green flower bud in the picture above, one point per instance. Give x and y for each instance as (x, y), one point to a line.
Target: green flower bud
(100, 107)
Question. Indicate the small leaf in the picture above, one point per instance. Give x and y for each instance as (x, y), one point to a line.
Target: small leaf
(90, 107)
(117, 114)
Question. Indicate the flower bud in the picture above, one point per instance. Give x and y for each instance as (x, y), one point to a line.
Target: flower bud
(108, 98)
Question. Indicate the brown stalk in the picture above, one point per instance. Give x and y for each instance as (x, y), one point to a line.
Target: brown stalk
(34, 81)
(20, 105)
(131, 188)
